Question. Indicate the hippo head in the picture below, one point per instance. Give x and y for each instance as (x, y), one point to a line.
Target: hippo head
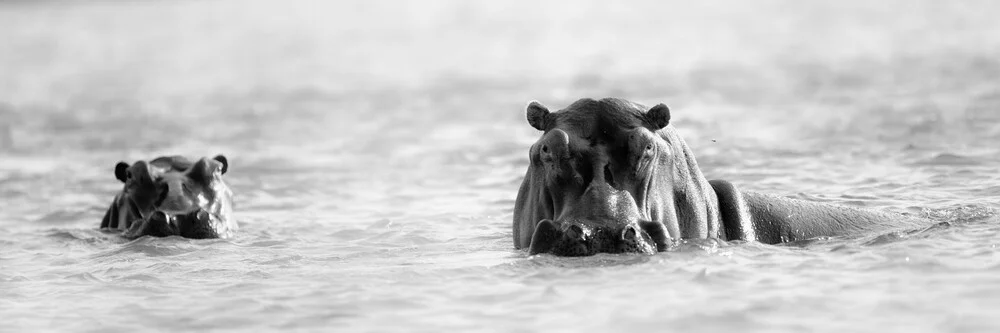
(609, 176)
(172, 196)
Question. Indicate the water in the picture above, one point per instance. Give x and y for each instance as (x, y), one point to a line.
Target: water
(376, 148)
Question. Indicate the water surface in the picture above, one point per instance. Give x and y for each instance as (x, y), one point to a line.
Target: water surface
(376, 149)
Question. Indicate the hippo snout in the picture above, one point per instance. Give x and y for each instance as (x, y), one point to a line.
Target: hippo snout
(583, 239)
(569, 238)
(158, 224)
(602, 220)
(195, 224)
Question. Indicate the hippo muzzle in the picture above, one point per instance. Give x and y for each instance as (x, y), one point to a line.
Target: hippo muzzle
(196, 224)
(602, 220)
(575, 239)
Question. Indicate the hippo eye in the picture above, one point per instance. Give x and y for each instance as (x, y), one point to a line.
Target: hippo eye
(642, 149)
(128, 175)
(648, 152)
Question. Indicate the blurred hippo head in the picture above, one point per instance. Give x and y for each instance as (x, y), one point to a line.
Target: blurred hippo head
(609, 176)
(173, 196)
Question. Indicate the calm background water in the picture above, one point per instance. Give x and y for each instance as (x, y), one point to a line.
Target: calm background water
(376, 149)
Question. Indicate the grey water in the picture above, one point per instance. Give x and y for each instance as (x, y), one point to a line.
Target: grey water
(376, 149)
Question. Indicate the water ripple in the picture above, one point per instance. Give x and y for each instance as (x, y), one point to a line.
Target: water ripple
(376, 151)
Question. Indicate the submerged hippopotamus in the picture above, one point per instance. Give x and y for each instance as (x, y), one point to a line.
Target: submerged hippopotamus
(614, 176)
(172, 196)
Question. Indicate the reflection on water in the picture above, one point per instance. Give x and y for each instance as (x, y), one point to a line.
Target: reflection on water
(376, 149)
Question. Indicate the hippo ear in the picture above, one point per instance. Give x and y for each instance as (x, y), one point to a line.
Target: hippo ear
(121, 171)
(658, 117)
(224, 161)
(204, 169)
(538, 115)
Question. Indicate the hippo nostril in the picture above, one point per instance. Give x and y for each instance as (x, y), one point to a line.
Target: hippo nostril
(202, 216)
(575, 232)
(159, 216)
(629, 233)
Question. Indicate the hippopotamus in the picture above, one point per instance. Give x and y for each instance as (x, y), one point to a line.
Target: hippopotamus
(170, 196)
(613, 176)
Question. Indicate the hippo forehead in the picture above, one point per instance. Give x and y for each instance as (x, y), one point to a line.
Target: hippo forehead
(171, 167)
(171, 164)
(602, 120)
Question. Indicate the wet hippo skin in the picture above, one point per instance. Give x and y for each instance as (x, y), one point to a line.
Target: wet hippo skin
(613, 176)
(171, 196)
